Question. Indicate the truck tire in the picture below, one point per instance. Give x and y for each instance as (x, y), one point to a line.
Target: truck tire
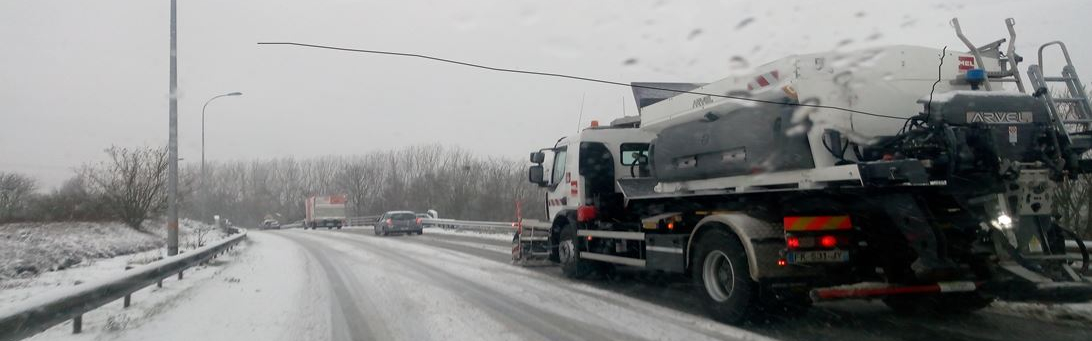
(568, 250)
(952, 303)
(721, 277)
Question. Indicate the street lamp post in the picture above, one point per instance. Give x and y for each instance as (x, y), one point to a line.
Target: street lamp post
(204, 189)
(172, 140)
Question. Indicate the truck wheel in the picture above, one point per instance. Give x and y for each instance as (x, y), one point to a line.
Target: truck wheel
(722, 277)
(568, 251)
(952, 303)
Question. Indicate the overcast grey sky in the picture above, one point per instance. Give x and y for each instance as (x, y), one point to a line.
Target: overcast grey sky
(77, 76)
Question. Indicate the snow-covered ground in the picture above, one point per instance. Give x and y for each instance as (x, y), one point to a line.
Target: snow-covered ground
(390, 288)
(301, 285)
(506, 236)
(28, 249)
(1071, 313)
(268, 289)
(218, 285)
(67, 254)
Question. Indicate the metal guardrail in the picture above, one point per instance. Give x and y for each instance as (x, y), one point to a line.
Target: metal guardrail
(37, 314)
(467, 225)
(362, 221)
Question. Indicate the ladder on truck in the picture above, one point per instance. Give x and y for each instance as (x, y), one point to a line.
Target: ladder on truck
(1078, 118)
(1072, 113)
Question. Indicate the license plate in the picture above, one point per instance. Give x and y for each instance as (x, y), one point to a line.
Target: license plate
(832, 256)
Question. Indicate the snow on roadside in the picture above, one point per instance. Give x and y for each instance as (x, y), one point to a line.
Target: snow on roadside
(87, 251)
(19, 289)
(1071, 313)
(28, 249)
(264, 290)
(505, 236)
(147, 303)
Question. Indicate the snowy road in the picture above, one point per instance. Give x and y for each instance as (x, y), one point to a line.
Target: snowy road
(849, 320)
(352, 285)
(399, 289)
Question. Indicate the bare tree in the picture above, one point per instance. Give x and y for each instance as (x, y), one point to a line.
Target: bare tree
(131, 183)
(15, 192)
(449, 179)
(1073, 197)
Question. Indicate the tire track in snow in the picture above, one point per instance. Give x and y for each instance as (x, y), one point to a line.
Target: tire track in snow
(593, 313)
(352, 322)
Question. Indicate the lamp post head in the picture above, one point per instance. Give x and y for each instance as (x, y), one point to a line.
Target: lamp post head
(234, 94)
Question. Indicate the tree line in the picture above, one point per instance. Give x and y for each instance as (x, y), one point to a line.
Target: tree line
(131, 187)
(456, 183)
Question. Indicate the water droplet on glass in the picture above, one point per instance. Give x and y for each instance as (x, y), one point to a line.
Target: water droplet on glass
(874, 36)
(738, 63)
(694, 34)
(860, 14)
(631, 61)
(744, 23)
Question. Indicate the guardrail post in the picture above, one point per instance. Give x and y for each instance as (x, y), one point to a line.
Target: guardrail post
(77, 324)
(159, 284)
(180, 275)
(125, 304)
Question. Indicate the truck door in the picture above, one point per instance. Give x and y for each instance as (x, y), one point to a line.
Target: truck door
(559, 192)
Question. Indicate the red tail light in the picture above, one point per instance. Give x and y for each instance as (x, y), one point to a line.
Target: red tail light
(586, 213)
(418, 221)
(828, 241)
(792, 242)
(390, 221)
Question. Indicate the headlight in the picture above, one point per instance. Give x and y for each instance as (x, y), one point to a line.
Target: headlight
(1004, 220)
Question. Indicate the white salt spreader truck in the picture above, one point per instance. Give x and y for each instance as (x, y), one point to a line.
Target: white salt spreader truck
(918, 176)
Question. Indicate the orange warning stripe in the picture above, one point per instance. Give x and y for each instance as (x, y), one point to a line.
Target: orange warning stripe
(818, 223)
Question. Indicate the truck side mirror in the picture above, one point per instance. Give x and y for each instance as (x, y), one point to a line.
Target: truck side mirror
(538, 157)
(534, 175)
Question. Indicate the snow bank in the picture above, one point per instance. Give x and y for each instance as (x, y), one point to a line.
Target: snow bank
(28, 249)
(148, 304)
(32, 255)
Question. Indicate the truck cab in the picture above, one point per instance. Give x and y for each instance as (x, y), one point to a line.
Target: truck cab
(584, 168)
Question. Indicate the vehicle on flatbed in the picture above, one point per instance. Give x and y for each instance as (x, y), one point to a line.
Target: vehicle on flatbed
(393, 222)
(822, 173)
